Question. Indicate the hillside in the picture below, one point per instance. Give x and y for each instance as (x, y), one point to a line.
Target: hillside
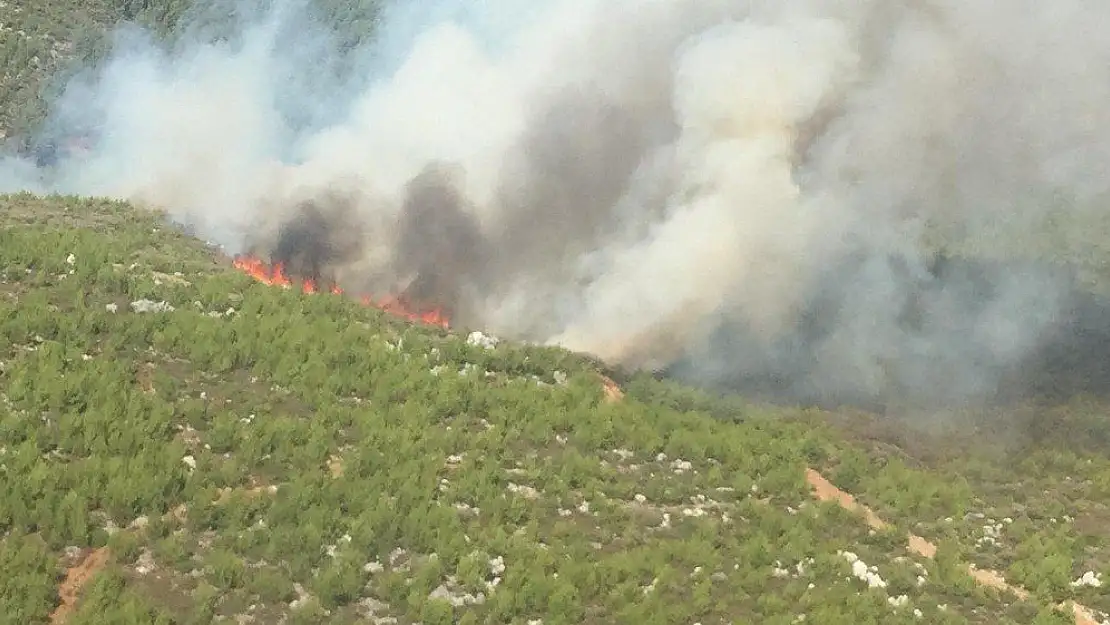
(43, 42)
(256, 454)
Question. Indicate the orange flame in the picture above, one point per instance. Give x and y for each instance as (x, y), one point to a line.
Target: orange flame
(275, 275)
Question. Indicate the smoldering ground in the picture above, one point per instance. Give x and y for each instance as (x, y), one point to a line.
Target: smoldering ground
(749, 194)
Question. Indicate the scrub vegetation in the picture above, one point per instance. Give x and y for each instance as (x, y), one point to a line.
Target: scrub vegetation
(182, 444)
(236, 450)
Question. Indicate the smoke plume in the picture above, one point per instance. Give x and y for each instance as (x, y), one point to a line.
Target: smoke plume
(829, 201)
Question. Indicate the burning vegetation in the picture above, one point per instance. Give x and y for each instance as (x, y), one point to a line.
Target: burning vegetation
(432, 243)
(275, 274)
(436, 265)
(434, 248)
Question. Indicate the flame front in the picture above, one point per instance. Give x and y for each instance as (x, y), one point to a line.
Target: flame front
(275, 275)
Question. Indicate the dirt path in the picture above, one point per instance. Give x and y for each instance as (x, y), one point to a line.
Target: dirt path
(825, 490)
(77, 576)
(612, 391)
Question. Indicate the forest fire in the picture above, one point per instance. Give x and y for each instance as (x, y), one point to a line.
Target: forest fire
(276, 275)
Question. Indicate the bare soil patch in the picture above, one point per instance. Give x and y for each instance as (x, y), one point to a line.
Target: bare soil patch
(825, 490)
(77, 577)
(612, 391)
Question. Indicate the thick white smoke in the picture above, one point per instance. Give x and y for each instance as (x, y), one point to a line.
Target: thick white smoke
(737, 230)
(643, 176)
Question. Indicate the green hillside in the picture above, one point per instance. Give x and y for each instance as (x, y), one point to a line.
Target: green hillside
(181, 444)
(254, 453)
(43, 42)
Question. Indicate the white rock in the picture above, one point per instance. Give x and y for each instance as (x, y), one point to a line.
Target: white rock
(497, 565)
(479, 339)
(145, 563)
(524, 491)
(146, 305)
(1090, 579)
(862, 572)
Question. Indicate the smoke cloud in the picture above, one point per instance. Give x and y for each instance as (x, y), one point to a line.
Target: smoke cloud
(747, 194)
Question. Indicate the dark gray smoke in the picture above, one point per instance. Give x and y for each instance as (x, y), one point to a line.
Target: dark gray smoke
(321, 235)
(439, 248)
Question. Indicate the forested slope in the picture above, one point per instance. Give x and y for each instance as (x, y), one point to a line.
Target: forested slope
(182, 444)
(44, 42)
(236, 449)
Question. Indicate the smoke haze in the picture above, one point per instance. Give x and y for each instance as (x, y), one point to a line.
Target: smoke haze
(739, 193)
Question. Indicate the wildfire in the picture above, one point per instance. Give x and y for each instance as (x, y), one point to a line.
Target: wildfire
(275, 275)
